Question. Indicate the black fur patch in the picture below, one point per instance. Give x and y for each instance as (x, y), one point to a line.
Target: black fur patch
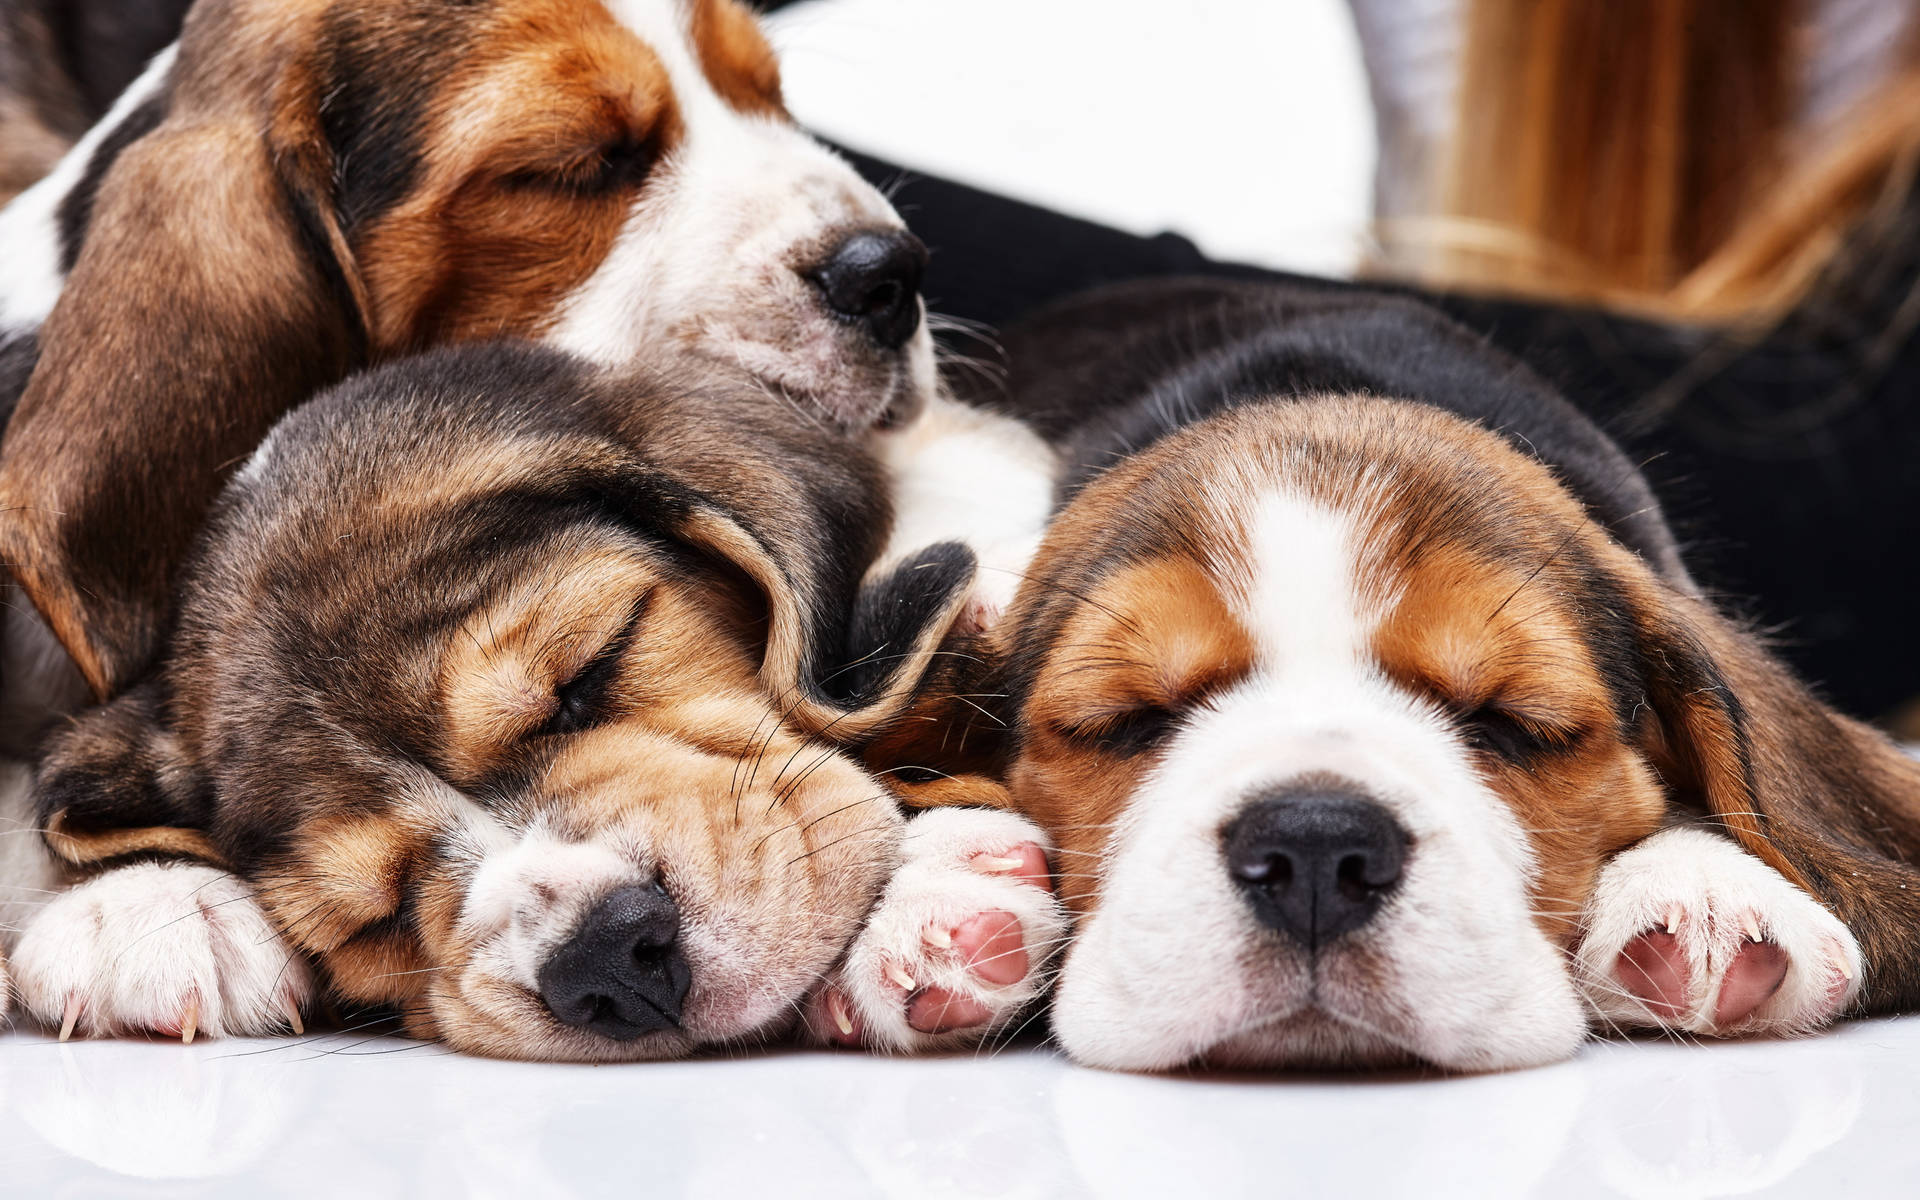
(379, 87)
(890, 616)
(106, 43)
(310, 228)
(19, 354)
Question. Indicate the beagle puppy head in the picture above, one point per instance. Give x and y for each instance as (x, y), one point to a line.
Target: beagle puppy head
(1335, 707)
(513, 686)
(298, 188)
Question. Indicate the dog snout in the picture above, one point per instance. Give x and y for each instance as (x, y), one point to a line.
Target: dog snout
(873, 279)
(621, 974)
(1315, 863)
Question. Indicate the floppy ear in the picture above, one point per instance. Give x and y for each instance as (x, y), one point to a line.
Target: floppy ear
(211, 293)
(842, 667)
(1829, 802)
(114, 783)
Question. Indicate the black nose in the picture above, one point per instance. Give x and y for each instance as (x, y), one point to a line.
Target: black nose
(873, 279)
(1314, 864)
(620, 974)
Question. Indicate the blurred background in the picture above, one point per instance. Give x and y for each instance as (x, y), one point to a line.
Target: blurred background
(1246, 126)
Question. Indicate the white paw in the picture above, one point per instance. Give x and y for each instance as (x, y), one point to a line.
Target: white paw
(1688, 931)
(170, 948)
(959, 944)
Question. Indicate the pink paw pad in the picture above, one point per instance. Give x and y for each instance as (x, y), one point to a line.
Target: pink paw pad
(993, 947)
(937, 1010)
(1653, 967)
(1756, 973)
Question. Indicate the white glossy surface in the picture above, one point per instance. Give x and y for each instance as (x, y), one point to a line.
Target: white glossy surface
(342, 1115)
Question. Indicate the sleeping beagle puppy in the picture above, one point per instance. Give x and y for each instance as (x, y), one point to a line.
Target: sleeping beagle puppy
(298, 188)
(1377, 720)
(515, 688)
(294, 189)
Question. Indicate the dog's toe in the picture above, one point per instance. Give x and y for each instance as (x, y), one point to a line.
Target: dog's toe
(1653, 967)
(175, 949)
(957, 947)
(1687, 931)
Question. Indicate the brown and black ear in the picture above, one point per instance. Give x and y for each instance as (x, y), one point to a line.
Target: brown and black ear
(949, 747)
(212, 291)
(841, 667)
(114, 783)
(1826, 800)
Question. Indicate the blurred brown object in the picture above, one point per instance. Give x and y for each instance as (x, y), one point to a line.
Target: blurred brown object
(1658, 156)
(41, 110)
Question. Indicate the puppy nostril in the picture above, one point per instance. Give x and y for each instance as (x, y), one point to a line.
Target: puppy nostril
(621, 974)
(1351, 878)
(1275, 870)
(872, 279)
(1314, 864)
(882, 299)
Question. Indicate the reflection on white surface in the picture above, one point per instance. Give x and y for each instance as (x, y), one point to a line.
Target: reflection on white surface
(172, 1116)
(341, 1115)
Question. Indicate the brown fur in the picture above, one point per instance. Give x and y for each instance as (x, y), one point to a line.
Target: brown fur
(297, 212)
(360, 703)
(42, 109)
(1643, 155)
(1636, 702)
(736, 57)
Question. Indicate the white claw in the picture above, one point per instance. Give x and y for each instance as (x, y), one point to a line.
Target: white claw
(292, 1012)
(1751, 927)
(190, 1024)
(70, 1018)
(1673, 919)
(837, 1009)
(899, 975)
(937, 937)
(995, 865)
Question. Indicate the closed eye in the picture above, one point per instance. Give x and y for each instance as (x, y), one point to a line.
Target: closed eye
(1124, 731)
(582, 699)
(1518, 737)
(615, 165)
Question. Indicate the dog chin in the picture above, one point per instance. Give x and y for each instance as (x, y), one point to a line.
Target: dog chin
(855, 400)
(1343, 1013)
(853, 389)
(1309, 1040)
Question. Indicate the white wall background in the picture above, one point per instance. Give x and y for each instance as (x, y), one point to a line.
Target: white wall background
(1244, 124)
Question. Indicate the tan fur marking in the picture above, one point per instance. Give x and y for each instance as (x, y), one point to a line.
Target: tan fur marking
(508, 218)
(736, 58)
(84, 849)
(1157, 634)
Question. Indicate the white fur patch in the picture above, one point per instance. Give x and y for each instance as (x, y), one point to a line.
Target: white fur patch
(1174, 966)
(30, 226)
(1716, 895)
(524, 901)
(962, 474)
